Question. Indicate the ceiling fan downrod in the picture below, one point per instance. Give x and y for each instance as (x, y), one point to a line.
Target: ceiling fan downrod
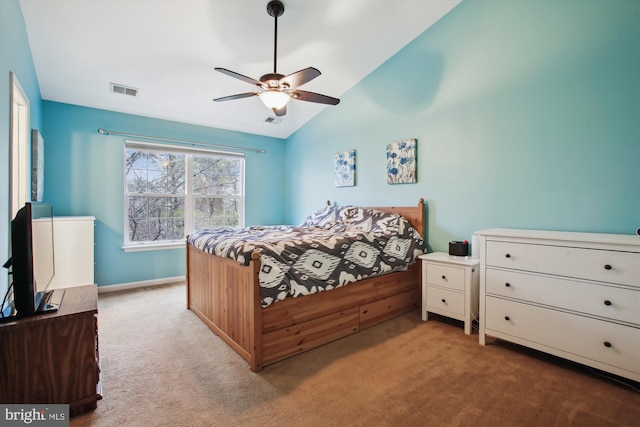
(275, 8)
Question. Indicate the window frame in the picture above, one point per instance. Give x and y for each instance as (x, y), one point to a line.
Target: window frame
(189, 197)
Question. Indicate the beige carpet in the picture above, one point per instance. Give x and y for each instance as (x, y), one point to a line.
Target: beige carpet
(161, 366)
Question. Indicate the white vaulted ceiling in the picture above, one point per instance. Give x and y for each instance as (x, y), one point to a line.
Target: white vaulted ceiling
(168, 49)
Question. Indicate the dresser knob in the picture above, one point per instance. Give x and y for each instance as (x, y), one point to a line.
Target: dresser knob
(508, 285)
(444, 300)
(507, 256)
(607, 267)
(444, 277)
(607, 302)
(607, 344)
(507, 318)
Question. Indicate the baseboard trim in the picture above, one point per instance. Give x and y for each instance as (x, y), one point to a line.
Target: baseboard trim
(143, 284)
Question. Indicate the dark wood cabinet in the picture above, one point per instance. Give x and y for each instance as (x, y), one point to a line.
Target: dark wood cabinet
(53, 358)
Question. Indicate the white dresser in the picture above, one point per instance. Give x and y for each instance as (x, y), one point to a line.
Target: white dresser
(73, 246)
(574, 295)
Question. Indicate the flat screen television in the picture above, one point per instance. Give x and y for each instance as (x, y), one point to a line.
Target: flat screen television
(32, 262)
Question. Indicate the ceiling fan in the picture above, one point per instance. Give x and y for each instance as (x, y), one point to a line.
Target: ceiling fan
(278, 89)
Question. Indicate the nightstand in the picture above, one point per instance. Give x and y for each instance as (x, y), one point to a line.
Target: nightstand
(450, 287)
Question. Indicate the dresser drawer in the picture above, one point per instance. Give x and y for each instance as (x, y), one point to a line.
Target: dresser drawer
(591, 298)
(444, 300)
(445, 276)
(604, 342)
(591, 264)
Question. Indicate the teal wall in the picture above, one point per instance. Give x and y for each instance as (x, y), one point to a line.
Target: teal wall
(84, 176)
(15, 56)
(527, 115)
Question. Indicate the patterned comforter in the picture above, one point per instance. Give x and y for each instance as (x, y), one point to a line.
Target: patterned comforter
(331, 248)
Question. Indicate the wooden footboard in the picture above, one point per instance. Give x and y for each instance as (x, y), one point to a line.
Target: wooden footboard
(226, 296)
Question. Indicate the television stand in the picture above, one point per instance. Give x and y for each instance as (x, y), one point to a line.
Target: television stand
(50, 302)
(52, 358)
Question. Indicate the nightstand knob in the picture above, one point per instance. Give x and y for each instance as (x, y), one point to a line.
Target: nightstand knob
(507, 318)
(507, 256)
(444, 300)
(507, 284)
(607, 344)
(444, 277)
(607, 302)
(607, 267)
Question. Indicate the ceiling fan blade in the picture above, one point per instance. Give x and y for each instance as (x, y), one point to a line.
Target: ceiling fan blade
(239, 76)
(279, 112)
(303, 95)
(239, 96)
(301, 77)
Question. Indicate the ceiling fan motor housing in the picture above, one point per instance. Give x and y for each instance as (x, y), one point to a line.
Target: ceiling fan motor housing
(272, 79)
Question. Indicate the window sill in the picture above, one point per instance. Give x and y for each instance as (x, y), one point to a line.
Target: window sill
(154, 246)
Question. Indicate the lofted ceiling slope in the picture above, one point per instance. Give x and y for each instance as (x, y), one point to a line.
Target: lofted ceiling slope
(168, 49)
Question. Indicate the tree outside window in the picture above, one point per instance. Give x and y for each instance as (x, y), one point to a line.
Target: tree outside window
(170, 193)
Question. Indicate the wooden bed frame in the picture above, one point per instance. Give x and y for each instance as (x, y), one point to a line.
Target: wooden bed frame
(226, 297)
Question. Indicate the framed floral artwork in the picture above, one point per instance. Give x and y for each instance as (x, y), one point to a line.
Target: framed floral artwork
(344, 167)
(37, 166)
(401, 162)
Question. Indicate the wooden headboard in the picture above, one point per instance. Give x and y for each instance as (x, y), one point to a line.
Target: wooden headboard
(414, 214)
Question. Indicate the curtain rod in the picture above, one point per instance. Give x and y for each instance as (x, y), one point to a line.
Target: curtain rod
(181, 141)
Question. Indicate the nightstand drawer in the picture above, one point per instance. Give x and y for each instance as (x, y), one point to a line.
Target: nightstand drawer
(445, 276)
(445, 300)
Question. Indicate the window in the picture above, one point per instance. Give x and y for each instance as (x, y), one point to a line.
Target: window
(172, 191)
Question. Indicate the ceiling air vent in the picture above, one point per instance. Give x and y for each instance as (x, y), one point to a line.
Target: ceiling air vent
(273, 120)
(124, 90)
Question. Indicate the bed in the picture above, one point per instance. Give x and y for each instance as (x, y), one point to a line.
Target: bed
(227, 296)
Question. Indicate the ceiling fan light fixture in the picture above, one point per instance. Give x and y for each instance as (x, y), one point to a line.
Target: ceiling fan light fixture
(274, 99)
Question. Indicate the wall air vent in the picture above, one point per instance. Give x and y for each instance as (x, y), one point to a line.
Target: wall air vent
(273, 120)
(124, 90)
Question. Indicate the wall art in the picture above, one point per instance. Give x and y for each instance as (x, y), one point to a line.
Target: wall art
(37, 166)
(401, 162)
(344, 167)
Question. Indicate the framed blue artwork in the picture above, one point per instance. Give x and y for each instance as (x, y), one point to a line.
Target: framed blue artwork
(401, 162)
(344, 167)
